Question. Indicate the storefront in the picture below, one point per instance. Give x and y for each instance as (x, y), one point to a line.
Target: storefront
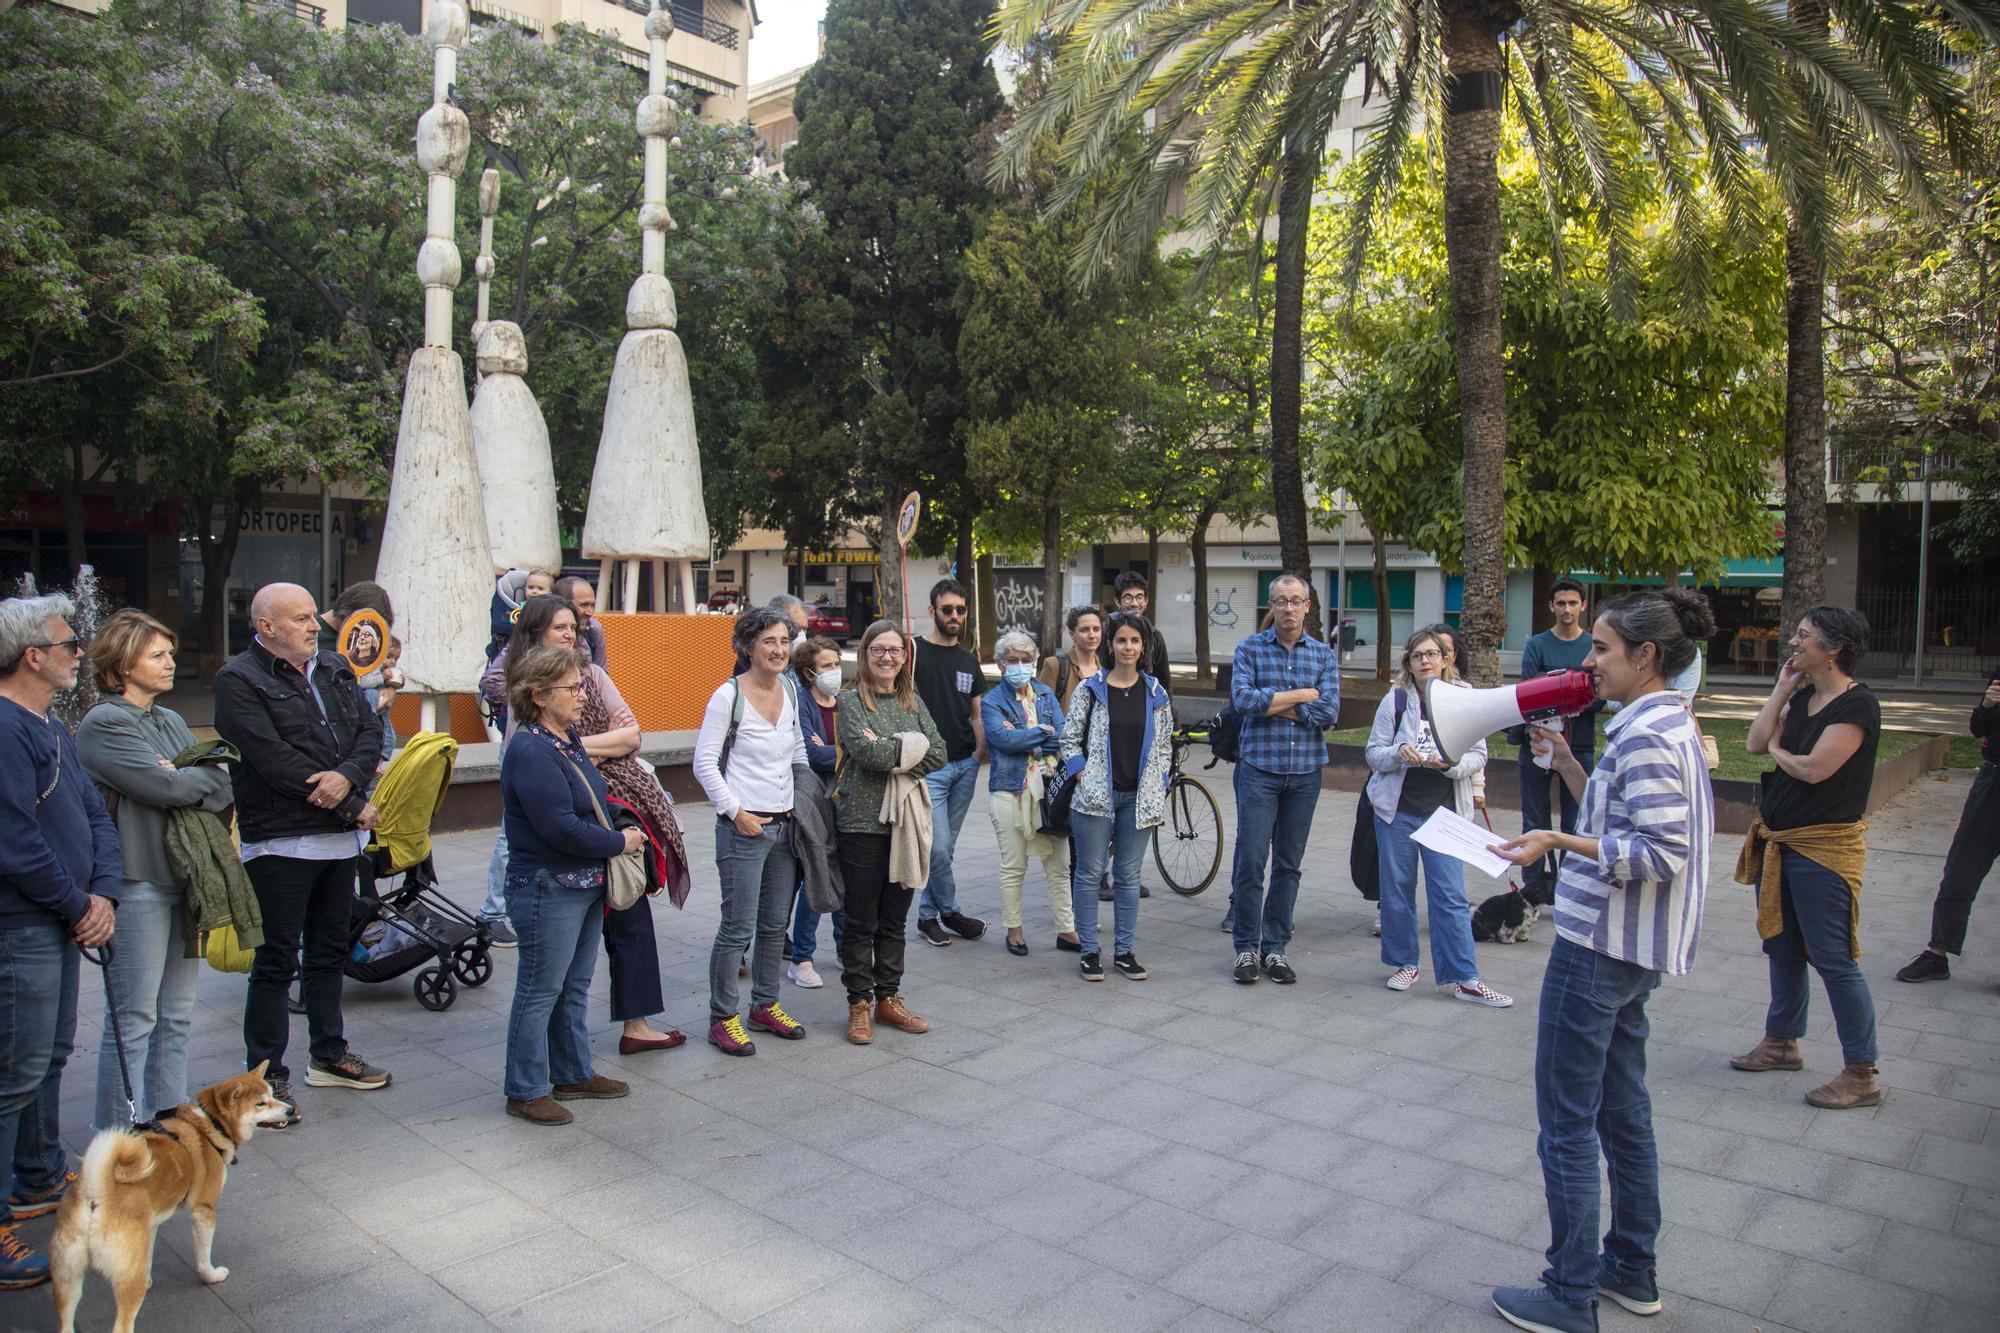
(1745, 602)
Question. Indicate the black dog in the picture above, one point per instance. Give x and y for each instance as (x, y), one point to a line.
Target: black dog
(1504, 918)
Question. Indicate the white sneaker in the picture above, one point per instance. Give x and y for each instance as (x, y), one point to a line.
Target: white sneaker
(1378, 923)
(803, 976)
(1478, 992)
(1402, 979)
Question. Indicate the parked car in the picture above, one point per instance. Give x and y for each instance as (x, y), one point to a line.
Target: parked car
(723, 600)
(831, 622)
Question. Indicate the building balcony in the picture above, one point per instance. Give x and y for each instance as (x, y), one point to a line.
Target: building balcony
(692, 20)
(298, 9)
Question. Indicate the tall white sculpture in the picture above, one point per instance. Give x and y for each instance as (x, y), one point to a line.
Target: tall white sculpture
(435, 559)
(516, 471)
(645, 492)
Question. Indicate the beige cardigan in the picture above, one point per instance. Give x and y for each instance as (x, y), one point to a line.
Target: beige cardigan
(906, 809)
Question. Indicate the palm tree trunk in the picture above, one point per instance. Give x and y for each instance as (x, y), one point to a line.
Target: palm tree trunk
(1050, 631)
(1805, 402)
(1204, 670)
(889, 577)
(1472, 238)
(1384, 649)
(1288, 491)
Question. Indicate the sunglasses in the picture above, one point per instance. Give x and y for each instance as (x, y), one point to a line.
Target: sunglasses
(73, 645)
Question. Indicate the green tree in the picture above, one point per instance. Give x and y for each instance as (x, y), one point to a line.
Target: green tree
(860, 360)
(1230, 94)
(1641, 441)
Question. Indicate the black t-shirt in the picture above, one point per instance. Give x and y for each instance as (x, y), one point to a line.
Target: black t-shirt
(1128, 735)
(948, 680)
(1424, 791)
(1842, 798)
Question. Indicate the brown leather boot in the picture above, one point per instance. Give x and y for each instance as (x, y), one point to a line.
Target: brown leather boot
(1771, 1053)
(859, 1030)
(1851, 1087)
(595, 1088)
(541, 1111)
(889, 1009)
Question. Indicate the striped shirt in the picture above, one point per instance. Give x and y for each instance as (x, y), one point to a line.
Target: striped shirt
(1649, 805)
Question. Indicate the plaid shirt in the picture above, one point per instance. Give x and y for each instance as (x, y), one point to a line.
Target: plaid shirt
(1650, 807)
(1265, 667)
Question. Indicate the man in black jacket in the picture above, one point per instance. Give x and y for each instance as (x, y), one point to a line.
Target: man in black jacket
(309, 744)
(1973, 850)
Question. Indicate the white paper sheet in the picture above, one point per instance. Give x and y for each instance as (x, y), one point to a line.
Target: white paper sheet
(1451, 833)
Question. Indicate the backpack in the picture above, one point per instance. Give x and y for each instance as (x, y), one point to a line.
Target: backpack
(736, 717)
(1362, 866)
(1225, 735)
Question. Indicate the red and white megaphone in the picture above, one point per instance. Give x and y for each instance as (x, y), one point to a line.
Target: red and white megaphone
(1460, 718)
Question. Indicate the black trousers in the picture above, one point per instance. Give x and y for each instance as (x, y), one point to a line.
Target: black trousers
(878, 912)
(634, 955)
(1973, 849)
(309, 902)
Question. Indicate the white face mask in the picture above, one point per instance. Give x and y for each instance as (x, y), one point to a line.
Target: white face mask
(828, 682)
(798, 638)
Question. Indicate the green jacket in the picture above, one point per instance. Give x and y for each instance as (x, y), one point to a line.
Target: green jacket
(207, 865)
(865, 765)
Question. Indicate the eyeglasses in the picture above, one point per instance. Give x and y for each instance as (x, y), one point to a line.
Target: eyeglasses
(1427, 655)
(576, 689)
(73, 644)
(885, 654)
(1291, 601)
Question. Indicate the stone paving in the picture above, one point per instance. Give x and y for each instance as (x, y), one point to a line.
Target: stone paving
(1178, 1153)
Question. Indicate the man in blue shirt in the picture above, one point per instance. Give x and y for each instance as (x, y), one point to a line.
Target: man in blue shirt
(60, 872)
(1287, 688)
(1562, 647)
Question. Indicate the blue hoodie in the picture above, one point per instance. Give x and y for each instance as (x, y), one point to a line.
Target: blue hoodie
(60, 849)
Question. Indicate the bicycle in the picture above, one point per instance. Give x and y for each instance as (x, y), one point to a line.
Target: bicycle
(1187, 848)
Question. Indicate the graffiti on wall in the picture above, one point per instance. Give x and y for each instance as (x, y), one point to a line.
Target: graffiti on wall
(1223, 602)
(1017, 600)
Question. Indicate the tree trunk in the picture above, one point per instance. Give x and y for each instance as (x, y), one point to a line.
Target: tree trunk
(1297, 174)
(986, 606)
(1052, 577)
(72, 511)
(1153, 567)
(889, 578)
(218, 554)
(1805, 431)
(1204, 670)
(966, 571)
(1472, 237)
(1539, 615)
(1384, 650)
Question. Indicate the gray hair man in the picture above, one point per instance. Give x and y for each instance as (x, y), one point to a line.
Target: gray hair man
(60, 872)
(310, 744)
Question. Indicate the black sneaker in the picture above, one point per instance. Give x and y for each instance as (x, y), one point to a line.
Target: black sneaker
(966, 927)
(347, 1070)
(1228, 925)
(1129, 966)
(281, 1091)
(1247, 969)
(933, 930)
(1145, 892)
(1093, 970)
(1926, 966)
(498, 933)
(1278, 970)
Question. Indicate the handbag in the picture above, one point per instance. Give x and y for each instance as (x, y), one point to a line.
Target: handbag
(1059, 793)
(225, 953)
(625, 873)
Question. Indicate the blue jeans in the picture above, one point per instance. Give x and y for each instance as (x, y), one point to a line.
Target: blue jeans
(155, 986)
(951, 796)
(496, 879)
(1396, 858)
(548, 1038)
(1095, 835)
(805, 930)
(758, 876)
(1590, 1093)
(1819, 928)
(1274, 813)
(38, 978)
(1538, 881)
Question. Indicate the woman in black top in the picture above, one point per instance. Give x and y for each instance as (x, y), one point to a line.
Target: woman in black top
(1820, 726)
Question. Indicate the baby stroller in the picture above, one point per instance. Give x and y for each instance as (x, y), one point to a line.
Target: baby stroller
(412, 924)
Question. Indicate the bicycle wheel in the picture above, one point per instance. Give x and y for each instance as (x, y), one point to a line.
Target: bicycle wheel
(1188, 847)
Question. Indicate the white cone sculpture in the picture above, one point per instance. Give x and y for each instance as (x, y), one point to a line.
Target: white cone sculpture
(435, 560)
(516, 471)
(645, 491)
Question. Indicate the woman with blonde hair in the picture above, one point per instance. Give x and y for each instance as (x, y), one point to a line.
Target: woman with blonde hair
(1411, 780)
(128, 744)
(885, 731)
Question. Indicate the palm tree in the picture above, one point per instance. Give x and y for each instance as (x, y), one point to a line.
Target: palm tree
(1227, 94)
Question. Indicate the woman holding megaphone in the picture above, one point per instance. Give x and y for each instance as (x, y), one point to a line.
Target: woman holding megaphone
(1628, 908)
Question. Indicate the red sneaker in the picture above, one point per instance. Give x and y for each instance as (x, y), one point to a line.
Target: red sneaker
(729, 1037)
(774, 1020)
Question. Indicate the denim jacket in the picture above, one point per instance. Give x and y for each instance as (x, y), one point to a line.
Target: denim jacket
(1012, 748)
(1091, 755)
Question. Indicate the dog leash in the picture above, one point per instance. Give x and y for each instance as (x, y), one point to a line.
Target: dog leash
(102, 957)
(1513, 881)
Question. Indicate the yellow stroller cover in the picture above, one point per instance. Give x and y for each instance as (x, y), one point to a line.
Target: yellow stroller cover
(409, 796)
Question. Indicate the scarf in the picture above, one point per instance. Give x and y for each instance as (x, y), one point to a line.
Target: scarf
(1838, 847)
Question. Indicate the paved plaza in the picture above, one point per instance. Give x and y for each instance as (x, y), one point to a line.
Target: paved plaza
(1180, 1153)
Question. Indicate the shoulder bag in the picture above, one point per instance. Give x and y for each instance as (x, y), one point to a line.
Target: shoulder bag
(1060, 791)
(625, 873)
